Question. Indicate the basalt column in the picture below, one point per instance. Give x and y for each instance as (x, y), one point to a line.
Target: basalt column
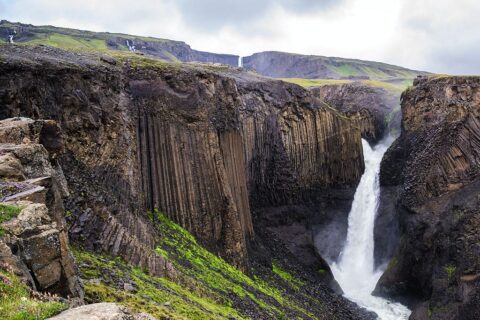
(195, 174)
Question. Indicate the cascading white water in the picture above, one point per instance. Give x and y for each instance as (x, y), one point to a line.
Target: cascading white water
(355, 270)
(240, 62)
(130, 47)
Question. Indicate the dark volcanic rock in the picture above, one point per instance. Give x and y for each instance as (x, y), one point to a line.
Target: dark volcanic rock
(178, 139)
(436, 169)
(368, 107)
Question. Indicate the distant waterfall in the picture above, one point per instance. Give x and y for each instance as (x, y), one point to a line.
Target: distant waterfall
(355, 271)
(131, 47)
(240, 62)
(10, 38)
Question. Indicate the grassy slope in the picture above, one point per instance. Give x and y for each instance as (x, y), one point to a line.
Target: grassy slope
(17, 302)
(206, 287)
(74, 39)
(344, 68)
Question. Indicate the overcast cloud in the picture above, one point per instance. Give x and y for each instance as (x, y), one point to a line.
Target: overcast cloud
(435, 35)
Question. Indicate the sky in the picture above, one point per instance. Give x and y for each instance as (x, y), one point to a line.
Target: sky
(441, 36)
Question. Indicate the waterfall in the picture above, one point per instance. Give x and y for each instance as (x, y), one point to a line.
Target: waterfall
(10, 38)
(240, 61)
(131, 47)
(354, 270)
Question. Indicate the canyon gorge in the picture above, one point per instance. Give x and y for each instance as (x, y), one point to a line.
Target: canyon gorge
(178, 185)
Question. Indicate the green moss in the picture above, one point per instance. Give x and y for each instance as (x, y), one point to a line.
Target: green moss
(285, 275)
(158, 296)
(17, 304)
(314, 82)
(69, 42)
(450, 270)
(345, 70)
(213, 272)
(7, 212)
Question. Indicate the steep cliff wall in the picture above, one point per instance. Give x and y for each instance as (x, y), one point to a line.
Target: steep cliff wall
(295, 147)
(86, 97)
(434, 168)
(201, 144)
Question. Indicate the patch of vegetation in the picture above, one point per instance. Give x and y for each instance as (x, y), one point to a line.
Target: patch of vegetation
(7, 212)
(345, 70)
(450, 270)
(286, 276)
(69, 42)
(396, 86)
(314, 82)
(158, 296)
(142, 62)
(17, 303)
(211, 271)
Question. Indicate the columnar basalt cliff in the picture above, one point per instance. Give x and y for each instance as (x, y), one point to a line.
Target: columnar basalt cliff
(434, 168)
(206, 145)
(210, 143)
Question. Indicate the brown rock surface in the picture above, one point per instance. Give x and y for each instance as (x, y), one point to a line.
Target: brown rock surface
(101, 311)
(435, 168)
(36, 242)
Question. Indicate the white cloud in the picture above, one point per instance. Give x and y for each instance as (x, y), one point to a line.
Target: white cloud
(435, 35)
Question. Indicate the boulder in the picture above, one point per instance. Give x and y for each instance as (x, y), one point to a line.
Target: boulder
(101, 311)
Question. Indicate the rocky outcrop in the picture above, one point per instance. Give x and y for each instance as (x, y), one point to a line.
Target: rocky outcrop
(101, 311)
(368, 107)
(35, 239)
(435, 171)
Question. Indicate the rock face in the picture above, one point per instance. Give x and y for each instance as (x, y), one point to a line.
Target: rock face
(35, 243)
(290, 65)
(369, 108)
(205, 145)
(435, 172)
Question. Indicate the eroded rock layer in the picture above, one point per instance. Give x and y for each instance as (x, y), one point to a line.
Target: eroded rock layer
(434, 170)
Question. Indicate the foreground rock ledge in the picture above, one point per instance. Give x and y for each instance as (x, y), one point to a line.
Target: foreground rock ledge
(101, 311)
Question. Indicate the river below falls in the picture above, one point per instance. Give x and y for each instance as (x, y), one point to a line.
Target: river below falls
(355, 270)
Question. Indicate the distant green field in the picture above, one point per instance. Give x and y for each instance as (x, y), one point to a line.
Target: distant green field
(314, 82)
(69, 42)
(395, 86)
